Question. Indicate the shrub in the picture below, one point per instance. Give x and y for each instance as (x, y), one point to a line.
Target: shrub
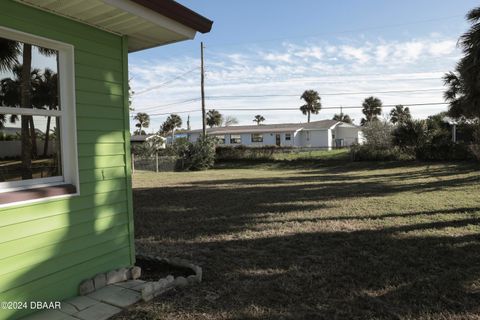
(445, 150)
(368, 152)
(378, 134)
(411, 133)
(199, 155)
(242, 152)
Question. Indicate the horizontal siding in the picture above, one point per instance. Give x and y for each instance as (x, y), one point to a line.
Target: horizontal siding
(56, 32)
(103, 87)
(100, 99)
(54, 237)
(92, 60)
(23, 213)
(101, 149)
(97, 72)
(99, 112)
(102, 174)
(35, 257)
(99, 137)
(64, 283)
(92, 123)
(66, 220)
(23, 276)
(48, 248)
(101, 162)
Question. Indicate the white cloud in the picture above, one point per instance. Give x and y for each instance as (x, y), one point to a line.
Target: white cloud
(355, 53)
(289, 68)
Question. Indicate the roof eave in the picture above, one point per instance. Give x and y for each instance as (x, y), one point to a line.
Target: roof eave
(178, 12)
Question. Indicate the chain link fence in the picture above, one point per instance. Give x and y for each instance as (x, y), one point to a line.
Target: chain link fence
(156, 163)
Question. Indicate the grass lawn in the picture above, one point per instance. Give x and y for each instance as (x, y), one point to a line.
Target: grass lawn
(324, 241)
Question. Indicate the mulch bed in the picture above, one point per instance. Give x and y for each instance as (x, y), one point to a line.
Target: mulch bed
(153, 270)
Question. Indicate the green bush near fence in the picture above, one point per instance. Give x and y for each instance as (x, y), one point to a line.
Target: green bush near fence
(242, 152)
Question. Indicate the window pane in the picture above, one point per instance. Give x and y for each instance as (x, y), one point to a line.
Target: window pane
(29, 147)
(38, 66)
(257, 137)
(235, 138)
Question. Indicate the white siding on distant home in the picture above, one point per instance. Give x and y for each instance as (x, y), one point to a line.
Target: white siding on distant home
(314, 138)
(321, 137)
(349, 135)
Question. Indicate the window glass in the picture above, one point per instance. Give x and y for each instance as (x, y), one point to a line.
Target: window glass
(257, 137)
(45, 155)
(235, 139)
(220, 139)
(30, 112)
(288, 137)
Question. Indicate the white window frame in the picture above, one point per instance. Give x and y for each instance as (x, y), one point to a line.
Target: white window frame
(66, 112)
(289, 136)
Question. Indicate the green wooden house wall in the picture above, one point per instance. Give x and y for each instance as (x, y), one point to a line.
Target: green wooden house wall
(47, 248)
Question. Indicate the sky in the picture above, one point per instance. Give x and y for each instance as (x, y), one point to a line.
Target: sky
(262, 55)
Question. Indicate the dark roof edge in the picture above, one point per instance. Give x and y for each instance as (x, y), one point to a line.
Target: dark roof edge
(179, 13)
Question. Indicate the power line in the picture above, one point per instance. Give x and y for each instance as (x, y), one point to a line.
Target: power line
(162, 106)
(297, 108)
(159, 107)
(322, 94)
(166, 82)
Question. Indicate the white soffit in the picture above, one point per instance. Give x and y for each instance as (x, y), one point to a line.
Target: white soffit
(144, 28)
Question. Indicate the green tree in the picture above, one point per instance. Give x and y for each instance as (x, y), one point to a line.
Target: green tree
(399, 114)
(214, 118)
(173, 121)
(463, 84)
(410, 133)
(258, 119)
(342, 117)
(372, 108)
(143, 121)
(312, 103)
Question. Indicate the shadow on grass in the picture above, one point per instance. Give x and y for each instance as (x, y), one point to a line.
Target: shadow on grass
(388, 271)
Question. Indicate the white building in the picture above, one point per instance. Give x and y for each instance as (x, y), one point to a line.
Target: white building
(317, 134)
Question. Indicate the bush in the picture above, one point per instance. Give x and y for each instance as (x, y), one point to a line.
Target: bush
(368, 152)
(445, 150)
(200, 155)
(378, 134)
(242, 152)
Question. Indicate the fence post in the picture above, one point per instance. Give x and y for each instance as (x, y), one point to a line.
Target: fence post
(133, 163)
(156, 161)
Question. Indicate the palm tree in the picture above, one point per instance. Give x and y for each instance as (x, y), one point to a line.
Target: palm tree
(312, 103)
(342, 117)
(11, 96)
(258, 119)
(143, 122)
(9, 52)
(463, 91)
(173, 121)
(372, 108)
(214, 118)
(46, 96)
(229, 121)
(399, 114)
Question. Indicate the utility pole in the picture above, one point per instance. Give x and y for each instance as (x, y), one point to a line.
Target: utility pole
(204, 122)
